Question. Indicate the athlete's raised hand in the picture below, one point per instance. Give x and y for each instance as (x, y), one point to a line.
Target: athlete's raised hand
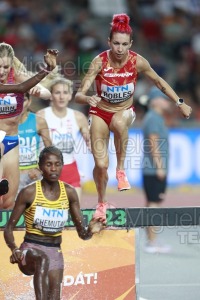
(50, 58)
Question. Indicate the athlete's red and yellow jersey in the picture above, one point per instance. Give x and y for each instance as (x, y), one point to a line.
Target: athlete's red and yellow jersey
(45, 217)
(11, 105)
(116, 85)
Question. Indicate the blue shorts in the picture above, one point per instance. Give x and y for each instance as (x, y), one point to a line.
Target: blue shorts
(10, 142)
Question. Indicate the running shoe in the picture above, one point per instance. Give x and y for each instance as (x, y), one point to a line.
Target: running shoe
(123, 183)
(4, 187)
(100, 212)
(154, 247)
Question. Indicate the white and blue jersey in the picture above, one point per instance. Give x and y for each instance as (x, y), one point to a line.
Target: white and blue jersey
(29, 142)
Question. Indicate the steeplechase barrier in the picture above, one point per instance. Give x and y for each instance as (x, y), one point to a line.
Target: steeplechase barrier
(104, 268)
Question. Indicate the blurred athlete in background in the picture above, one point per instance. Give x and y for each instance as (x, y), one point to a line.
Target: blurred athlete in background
(32, 130)
(65, 125)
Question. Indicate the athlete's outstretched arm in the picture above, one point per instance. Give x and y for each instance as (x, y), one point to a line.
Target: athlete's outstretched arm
(94, 226)
(50, 60)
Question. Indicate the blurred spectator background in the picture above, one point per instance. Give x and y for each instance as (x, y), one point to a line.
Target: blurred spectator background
(166, 32)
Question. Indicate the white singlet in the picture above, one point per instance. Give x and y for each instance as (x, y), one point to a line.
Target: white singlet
(63, 132)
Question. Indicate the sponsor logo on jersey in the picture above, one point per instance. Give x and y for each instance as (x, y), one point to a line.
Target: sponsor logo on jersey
(107, 69)
(117, 94)
(123, 75)
(8, 104)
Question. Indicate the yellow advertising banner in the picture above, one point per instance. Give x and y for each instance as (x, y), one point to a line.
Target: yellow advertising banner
(102, 268)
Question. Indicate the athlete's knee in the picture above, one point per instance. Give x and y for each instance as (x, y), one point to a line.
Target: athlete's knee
(117, 126)
(101, 166)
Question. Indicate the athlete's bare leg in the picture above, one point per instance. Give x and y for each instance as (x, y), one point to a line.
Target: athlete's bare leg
(99, 143)
(119, 126)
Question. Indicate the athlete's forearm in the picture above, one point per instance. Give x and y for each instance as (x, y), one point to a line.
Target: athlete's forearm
(9, 238)
(24, 86)
(81, 98)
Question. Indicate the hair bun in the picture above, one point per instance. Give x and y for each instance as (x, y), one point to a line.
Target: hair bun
(120, 23)
(120, 18)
